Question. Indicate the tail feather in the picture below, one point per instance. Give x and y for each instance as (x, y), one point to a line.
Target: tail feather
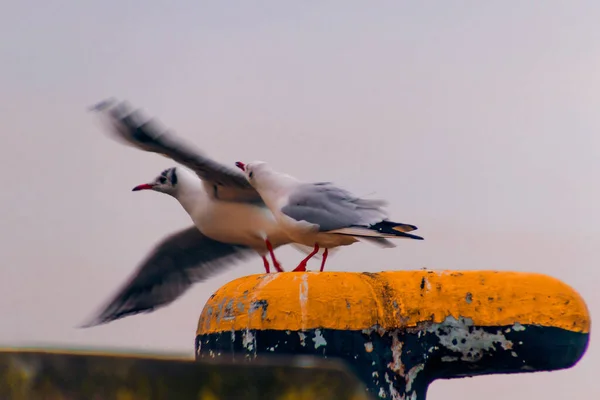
(364, 231)
(381, 242)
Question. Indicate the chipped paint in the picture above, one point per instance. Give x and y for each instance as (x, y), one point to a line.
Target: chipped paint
(259, 305)
(319, 339)
(392, 390)
(302, 337)
(469, 298)
(518, 327)
(461, 336)
(396, 363)
(249, 341)
(412, 375)
(369, 347)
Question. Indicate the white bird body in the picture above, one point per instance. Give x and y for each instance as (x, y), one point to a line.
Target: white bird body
(246, 224)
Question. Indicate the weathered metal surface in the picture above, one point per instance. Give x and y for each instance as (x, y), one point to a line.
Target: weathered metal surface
(56, 375)
(399, 331)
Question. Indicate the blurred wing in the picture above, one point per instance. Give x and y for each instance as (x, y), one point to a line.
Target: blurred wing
(331, 208)
(174, 265)
(130, 127)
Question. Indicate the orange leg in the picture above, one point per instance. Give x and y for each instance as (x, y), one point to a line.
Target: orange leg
(302, 266)
(275, 262)
(266, 263)
(323, 261)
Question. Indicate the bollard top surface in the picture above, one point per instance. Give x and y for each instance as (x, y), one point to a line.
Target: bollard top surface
(392, 300)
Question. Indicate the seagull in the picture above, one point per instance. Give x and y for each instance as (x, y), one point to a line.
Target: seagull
(231, 222)
(321, 214)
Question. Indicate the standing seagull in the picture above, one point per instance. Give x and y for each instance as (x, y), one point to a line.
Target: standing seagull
(231, 221)
(322, 214)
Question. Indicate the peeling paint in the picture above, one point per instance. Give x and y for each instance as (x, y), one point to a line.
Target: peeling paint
(319, 339)
(412, 375)
(257, 305)
(395, 394)
(248, 340)
(396, 363)
(240, 306)
(375, 328)
(369, 347)
(302, 337)
(460, 336)
(517, 327)
(469, 298)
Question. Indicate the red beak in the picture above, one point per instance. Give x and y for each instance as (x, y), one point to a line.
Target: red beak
(241, 165)
(144, 186)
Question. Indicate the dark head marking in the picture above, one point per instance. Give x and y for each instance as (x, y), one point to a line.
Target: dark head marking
(168, 174)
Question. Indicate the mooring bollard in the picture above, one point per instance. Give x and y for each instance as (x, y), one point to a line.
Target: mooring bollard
(400, 330)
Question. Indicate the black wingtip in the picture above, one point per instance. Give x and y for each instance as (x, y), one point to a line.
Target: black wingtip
(408, 236)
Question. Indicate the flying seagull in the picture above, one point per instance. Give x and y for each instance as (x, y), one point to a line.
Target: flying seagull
(231, 222)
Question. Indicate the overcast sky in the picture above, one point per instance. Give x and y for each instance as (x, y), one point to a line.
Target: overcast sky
(478, 121)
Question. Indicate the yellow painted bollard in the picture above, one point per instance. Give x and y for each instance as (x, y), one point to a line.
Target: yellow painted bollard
(400, 330)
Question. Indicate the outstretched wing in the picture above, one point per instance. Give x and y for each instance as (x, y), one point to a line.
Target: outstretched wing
(146, 134)
(174, 265)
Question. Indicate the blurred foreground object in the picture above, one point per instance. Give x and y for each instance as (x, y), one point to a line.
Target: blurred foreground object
(400, 330)
(56, 375)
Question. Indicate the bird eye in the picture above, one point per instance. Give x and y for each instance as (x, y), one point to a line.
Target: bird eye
(251, 174)
(162, 179)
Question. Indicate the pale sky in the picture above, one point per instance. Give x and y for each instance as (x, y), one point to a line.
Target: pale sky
(478, 121)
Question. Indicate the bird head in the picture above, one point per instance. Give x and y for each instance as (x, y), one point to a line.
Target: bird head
(256, 172)
(166, 182)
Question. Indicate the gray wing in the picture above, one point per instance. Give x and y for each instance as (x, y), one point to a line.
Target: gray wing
(174, 265)
(331, 207)
(146, 134)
